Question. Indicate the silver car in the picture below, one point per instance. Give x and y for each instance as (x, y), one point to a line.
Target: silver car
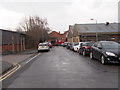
(43, 47)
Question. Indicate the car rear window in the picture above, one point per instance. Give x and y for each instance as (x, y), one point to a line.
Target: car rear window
(42, 44)
(89, 44)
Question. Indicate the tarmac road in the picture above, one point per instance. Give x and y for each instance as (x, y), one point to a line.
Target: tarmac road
(62, 68)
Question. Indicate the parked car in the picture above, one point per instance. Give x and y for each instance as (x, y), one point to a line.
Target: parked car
(68, 45)
(71, 46)
(50, 45)
(62, 44)
(85, 48)
(119, 41)
(65, 44)
(76, 46)
(43, 47)
(106, 52)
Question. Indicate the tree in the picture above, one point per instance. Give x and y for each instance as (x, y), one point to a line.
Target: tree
(35, 27)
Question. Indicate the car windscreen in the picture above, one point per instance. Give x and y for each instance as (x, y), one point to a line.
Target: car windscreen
(112, 45)
(75, 44)
(89, 44)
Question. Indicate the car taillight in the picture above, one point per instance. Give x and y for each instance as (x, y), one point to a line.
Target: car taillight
(87, 47)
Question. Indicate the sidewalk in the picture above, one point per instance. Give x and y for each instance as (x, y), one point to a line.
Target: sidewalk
(9, 60)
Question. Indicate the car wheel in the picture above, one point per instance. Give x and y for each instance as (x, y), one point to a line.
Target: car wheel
(83, 53)
(91, 56)
(77, 49)
(79, 52)
(103, 60)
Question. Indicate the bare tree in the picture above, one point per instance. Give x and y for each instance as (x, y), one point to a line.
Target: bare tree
(36, 28)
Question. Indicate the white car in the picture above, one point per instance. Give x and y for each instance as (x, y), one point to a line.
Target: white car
(43, 47)
(76, 46)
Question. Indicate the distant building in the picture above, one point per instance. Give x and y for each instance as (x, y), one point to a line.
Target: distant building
(57, 37)
(88, 32)
(12, 41)
(70, 33)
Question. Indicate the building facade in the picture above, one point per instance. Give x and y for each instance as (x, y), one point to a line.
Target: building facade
(95, 32)
(70, 33)
(56, 36)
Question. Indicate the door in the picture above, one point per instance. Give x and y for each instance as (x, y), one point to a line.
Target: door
(94, 50)
(98, 51)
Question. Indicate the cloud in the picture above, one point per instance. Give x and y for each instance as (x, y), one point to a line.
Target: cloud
(9, 19)
(61, 13)
(37, 0)
(119, 11)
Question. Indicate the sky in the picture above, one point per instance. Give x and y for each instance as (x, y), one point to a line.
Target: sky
(59, 13)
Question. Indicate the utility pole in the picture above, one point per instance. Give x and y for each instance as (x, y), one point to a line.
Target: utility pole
(96, 29)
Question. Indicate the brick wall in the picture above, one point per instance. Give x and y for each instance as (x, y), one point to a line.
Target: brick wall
(11, 48)
(57, 36)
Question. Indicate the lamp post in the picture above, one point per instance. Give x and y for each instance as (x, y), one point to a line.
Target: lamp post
(96, 29)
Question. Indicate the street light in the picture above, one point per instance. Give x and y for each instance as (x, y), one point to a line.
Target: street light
(96, 29)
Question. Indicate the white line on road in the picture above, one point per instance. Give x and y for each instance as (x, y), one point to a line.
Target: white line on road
(33, 58)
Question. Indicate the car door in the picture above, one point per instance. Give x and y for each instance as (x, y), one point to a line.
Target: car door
(81, 47)
(94, 50)
(75, 46)
(99, 51)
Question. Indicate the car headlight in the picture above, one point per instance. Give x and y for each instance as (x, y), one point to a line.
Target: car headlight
(110, 54)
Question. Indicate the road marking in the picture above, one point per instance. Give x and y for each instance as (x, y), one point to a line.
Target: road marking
(33, 58)
(10, 72)
(17, 66)
(64, 63)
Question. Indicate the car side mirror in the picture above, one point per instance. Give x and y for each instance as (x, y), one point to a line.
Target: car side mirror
(100, 47)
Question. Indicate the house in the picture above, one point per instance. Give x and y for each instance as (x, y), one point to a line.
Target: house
(93, 32)
(70, 33)
(57, 37)
(11, 41)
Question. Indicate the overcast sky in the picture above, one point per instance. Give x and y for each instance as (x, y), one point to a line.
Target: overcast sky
(59, 13)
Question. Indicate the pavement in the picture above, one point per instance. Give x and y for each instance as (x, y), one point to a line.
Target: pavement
(8, 60)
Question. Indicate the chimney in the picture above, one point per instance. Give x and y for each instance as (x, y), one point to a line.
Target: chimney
(59, 32)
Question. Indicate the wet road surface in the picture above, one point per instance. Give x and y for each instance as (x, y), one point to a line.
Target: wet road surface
(62, 68)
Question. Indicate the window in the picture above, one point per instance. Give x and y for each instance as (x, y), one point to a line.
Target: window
(75, 44)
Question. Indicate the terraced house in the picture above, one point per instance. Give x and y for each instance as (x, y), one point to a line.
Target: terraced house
(94, 32)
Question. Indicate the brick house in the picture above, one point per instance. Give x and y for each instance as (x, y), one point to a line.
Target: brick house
(56, 36)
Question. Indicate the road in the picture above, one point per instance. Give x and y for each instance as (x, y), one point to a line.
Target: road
(62, 68)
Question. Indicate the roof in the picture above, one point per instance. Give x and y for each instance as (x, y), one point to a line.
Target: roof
(91, 28)
(106, 41)
(71, 28)
(12, 31)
